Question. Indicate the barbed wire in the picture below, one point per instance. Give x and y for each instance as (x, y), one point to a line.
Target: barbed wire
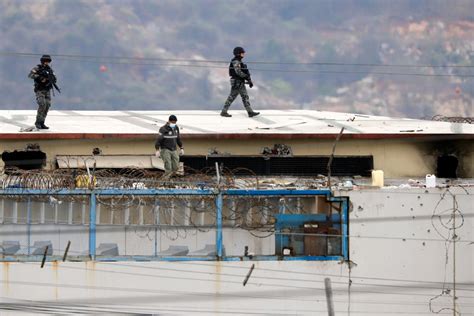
(453, 119)
(176, 213)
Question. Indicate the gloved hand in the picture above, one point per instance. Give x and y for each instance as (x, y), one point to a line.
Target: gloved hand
(250, 84)
(181, 151)
(158, 154)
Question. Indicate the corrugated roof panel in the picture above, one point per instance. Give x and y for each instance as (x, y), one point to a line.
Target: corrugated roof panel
(99, 124)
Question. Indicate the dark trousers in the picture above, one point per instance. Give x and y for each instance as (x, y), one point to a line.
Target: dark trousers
(237, 87)
(43, 98)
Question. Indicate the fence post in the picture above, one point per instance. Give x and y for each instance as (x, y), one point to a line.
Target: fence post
(345, 229)
(219, 225)
(92, 226)
(28, 223)
(329, 301)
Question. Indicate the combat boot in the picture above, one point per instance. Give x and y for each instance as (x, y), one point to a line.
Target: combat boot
(251, 112)
(225, 114)
(44, 126)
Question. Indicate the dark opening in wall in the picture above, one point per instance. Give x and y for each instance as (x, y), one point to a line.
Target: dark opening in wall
(24, 159)
(447, 166)
(291, 166)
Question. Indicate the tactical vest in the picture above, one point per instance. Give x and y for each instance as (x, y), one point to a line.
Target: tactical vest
(45, 72)
(232, 72)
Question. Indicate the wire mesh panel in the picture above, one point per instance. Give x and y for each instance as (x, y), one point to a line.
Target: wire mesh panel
(175, 223)
(157, 226)
(281, 225)
(34, 221)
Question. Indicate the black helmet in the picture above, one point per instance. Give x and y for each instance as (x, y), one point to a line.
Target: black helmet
(172, 118)
(45, 58)
(238, 50)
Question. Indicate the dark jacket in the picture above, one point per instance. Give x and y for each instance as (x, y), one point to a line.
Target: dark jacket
(168, 138)
(43, 72)
(238, 70)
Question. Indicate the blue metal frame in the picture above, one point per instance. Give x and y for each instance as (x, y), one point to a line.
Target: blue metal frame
(344, 222)
(219, 194)
(284, 192)
(28, 223)
(219, 226)
(284, 221)
(92, 226)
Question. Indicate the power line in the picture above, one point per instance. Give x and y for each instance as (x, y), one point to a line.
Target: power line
(276, 278)
(226, 62)
(40, 306)
(138, 63)
(262, 277)
(286, 285)
(270, 270)
(372, 237)
(324, 274)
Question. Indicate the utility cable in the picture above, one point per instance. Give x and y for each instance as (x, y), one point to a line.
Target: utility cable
(226, 61)
(135, 62)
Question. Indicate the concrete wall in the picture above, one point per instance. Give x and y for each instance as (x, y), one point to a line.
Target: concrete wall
(397, 157)
(400, 261)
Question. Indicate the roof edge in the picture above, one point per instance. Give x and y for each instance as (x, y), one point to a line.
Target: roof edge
(61, 136)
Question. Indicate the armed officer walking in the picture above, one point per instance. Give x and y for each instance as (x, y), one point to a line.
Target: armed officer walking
(45, 81)
(239, 74)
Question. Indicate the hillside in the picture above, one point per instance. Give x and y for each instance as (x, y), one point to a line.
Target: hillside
(328, 55)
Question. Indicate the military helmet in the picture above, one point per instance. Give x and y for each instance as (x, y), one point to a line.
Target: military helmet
(45, 58)
(238, 50)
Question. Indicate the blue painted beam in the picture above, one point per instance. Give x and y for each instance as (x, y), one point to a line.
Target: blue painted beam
(219, 226)
(19, 191)
(92, 226)
(276, 192)
(28, 223)
(296, 220)
(345, 229)
(174, 259)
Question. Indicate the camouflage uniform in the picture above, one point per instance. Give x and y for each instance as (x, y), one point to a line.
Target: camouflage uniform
(43, 98)
(43, 92)
(237, 87)
(239, 73)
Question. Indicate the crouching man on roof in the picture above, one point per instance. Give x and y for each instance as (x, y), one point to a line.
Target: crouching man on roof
(167, 146)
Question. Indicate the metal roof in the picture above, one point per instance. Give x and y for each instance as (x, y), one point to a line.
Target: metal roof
(208, 124)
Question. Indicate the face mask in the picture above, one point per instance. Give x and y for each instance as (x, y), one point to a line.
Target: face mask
(172, 125)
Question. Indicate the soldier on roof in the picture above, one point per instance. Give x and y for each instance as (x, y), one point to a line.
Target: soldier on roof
(45, 81)
(239, 75)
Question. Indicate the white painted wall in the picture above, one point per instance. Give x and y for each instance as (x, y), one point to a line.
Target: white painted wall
(399, 265)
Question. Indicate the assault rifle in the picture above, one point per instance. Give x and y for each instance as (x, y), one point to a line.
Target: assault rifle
(50, 77)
